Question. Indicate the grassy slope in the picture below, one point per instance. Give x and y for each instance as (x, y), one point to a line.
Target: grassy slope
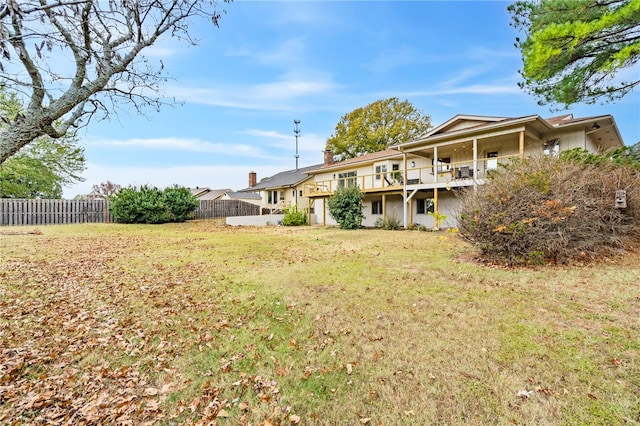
(184, 322)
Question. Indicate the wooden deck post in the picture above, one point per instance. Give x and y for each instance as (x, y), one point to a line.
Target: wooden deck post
(384, 206)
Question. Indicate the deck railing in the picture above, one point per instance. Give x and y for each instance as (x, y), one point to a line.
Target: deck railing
(462, 173)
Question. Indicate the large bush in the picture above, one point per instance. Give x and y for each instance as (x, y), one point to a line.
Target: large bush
(148, 204)
(345, 206)
(546, 208)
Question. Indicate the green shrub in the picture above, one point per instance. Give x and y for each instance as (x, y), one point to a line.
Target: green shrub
(180, 203)
(293, 217)
(345, 206)
(147, 204)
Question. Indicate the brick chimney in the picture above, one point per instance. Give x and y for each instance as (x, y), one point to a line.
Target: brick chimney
(328, 157)
(253, 178)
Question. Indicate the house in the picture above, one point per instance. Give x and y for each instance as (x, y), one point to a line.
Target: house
(247, 197)
(204, 193)
(281, 190)
(412, 179)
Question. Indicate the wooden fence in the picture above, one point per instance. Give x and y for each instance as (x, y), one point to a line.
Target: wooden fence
(50, 212)
(57, 212)
(212, 209)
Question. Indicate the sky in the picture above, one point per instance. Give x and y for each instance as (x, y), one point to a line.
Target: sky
(272, 62)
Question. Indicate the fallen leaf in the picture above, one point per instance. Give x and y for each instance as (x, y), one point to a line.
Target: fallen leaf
(294, 419)
(151, 391)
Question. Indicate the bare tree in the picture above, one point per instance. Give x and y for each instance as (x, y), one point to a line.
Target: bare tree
(104, 190)
(78, 59)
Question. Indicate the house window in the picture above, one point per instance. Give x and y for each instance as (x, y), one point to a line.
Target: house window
(380, 169)
(347, 179)
(272, 196)
(492, 160)
(425, 206)
(397, 176)
(552, 147)
(376, 207)
(443, 164)
(301, 192)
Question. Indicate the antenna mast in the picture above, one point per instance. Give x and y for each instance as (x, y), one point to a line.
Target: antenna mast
(296, 132)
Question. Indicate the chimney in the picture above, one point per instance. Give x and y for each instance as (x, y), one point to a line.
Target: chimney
(328, 157)
(253, 177)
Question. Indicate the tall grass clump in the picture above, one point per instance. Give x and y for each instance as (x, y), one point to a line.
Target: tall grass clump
(549, 208)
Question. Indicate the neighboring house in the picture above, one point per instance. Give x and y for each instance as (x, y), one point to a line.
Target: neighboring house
(281, 190)
(248, 197)
(420, 177)
(205, 193)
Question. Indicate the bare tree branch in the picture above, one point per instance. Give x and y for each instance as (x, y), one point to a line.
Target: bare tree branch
(105, 38)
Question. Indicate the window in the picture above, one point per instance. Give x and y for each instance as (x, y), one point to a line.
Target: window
(301, 192)
(376, 207)
(552, 147)
(380, 169)
(492, 160)
(443, 164)
(347, 179)
(272, 196)
(396, 175)
(425, 206)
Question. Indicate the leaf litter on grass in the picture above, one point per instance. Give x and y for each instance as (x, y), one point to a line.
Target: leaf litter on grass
(192, 324)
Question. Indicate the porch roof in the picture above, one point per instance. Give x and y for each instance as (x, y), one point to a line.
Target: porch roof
(601, 128)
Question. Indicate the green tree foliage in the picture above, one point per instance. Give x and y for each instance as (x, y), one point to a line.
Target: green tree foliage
(345, 206)
(573, 49)
(552, 208)
(43, 168)
(26, 177)
(147, 204)
(375, 127)
(626, 155)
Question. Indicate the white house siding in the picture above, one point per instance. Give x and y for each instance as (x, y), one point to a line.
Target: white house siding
(289, 198)
(573, 140)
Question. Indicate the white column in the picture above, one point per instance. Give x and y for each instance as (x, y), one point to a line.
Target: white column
(475, 163)
(435, 164)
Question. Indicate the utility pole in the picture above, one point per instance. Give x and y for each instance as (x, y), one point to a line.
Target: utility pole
(296, 132)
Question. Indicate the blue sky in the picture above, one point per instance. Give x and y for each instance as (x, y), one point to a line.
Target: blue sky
(272, 62)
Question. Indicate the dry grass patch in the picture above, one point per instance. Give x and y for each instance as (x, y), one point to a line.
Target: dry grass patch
(195, 323)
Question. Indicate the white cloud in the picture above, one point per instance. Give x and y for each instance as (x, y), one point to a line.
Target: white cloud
(155, 51)
(180, 144)
(286, 54)
(308, 142)
(273, 96)
(212, 176)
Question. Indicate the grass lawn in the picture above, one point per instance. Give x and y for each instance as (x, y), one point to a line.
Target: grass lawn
(198, 323)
